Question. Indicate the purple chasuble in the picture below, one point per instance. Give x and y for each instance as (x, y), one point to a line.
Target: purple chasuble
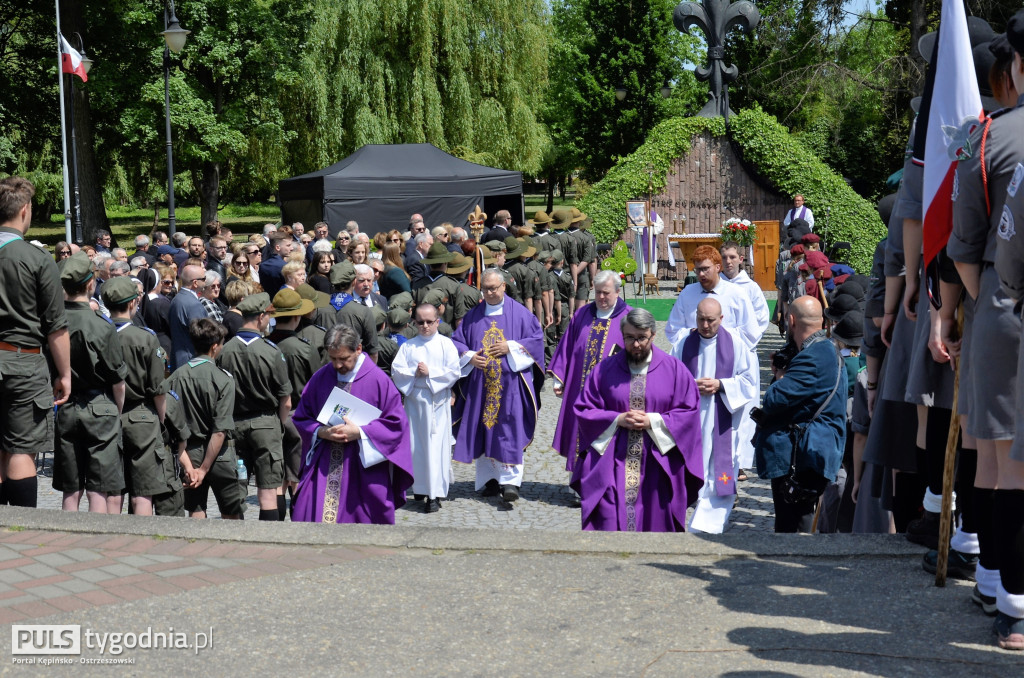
(496, 411)
(333, 485)
(586, 342)
(633, 484)
(721, 441)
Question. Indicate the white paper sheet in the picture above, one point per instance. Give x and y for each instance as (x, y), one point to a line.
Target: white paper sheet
(343, 404)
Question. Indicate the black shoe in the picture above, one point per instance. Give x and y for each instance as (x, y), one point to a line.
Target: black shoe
(958, 565)
(419, 497)
(509, 493)
(986, 603)
(925, 530)
(433, 505)
(491, 489)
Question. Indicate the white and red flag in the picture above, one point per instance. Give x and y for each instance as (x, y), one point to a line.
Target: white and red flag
(953, 112)
(71, 60)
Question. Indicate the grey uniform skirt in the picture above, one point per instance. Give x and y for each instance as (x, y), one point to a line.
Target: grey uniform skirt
(928, 383)
(963, 404)
(897, 360)
(995, 340)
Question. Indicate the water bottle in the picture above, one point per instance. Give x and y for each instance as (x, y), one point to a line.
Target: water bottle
(243, 474)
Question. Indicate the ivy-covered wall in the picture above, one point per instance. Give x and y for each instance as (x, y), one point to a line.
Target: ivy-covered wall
(769, 148)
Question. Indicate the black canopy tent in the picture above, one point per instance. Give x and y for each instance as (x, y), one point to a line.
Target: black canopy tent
(380, 186)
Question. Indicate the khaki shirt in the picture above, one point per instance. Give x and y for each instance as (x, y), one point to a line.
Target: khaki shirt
(31, 298)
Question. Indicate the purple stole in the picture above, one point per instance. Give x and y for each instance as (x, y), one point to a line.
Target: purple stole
(721, 442)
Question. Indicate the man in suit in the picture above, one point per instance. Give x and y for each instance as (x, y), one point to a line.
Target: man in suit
(362, 289)
(186, 307)
(414, 260)
(416, 226)
(499, 231)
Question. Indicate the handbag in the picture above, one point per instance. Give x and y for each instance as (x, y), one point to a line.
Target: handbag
(806, 486)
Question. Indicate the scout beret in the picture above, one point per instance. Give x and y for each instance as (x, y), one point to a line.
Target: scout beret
(254, 304)
(796, 250)
(435, 297)
(379, 315)
(810, 238)
(119, 290)
(77, 268)
(398, 317)
(343, 273)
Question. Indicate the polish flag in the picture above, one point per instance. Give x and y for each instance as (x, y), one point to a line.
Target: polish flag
(71, 60)
(954, 112)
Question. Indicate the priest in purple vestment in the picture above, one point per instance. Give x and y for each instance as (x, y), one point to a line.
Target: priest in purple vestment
(499, 342)
(639, 423)
(350, 473)
(594, 334)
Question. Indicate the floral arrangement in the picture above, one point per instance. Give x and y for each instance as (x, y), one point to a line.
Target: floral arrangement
(740, 231)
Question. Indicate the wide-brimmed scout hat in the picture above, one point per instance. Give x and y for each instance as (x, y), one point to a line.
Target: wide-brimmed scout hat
(290, 302)
(254, 304)
(518, 248)
(319, 299)
(539, 217)
(459, 264)
(578, 217)
(850, 329)
(561, 220)
(77, 268)
(438, 254)
(119, 290)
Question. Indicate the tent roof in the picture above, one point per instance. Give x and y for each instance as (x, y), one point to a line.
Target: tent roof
(401, 170)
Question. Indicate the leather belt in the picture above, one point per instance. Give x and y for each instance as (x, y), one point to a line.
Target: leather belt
(4, 346)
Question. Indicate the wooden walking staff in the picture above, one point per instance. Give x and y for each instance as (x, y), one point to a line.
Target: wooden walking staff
(946, 517)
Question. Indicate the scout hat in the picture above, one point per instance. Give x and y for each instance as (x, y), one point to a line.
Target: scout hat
(578, 217)
(810, 239)
(557, 256)
(77, 268)
(539, 217)
(543, 255)
(380, 316)
(401, 300)
(561, 220)
(319, 299)
(119, 290)
(438, 254)
(254, 304)
(841, 305)
(487, 251)
(398, 317)
(850, 330)
(459, 264)
(518, 248)
(342, 274)
(290, 302)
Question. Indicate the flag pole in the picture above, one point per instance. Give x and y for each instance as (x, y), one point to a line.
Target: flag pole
(949, 467)
(63, 133)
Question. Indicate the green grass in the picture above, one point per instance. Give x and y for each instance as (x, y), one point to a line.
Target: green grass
(660, 307)
(539, 201)
(126, 223)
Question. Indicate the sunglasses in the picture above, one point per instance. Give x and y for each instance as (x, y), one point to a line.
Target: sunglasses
(64, 252)
(395, 240)
(423, 323)
(167, 282)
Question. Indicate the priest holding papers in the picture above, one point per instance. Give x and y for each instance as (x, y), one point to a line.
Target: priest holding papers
(726, 379)
(499, 343)
(640, 427)
(356, 471)
(425, 369)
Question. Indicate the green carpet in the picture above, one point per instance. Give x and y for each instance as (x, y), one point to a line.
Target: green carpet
(661, 306)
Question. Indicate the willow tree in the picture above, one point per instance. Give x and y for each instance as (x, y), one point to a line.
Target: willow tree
(467, 77)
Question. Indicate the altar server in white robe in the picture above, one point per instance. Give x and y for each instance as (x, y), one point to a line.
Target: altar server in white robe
(725, 372)
(732, 271)
(425, 370)
(737, 311)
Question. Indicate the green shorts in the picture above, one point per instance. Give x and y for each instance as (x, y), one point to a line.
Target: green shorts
(222, 479)
(144, 452)
(259, 443)
(26, 403)
(292, 452)
(583, 285)
(88, 451)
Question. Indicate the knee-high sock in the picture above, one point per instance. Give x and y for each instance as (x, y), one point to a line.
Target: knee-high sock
(965, 539)
(1009, 534)
(21, 492)
(281, 509)
(985, 524)
(936, 436)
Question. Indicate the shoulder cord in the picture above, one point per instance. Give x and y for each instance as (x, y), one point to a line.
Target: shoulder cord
(984, 172)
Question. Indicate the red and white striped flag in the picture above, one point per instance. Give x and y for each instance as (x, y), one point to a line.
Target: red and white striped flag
(71, 60)
(953, 113)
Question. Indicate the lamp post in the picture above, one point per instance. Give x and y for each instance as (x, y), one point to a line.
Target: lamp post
(174, 37)
(77, 204)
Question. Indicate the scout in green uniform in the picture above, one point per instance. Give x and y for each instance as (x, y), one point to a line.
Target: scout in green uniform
(208, 399)
(31, 313)
(466, 296)
(526, 283)
(388, 344)
(566, 294)
(175, 434)
(545, 314)
(262, 399)
(310, 327)
(87, 455)
(302, 360)
(585, 267)
(141, 441)
(438, 258)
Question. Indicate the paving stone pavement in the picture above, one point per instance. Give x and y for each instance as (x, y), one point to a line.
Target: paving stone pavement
(546, 500)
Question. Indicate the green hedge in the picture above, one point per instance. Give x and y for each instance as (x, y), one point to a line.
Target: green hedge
(767, 146)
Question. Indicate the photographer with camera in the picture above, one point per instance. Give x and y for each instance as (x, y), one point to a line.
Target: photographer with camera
(801, 426)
